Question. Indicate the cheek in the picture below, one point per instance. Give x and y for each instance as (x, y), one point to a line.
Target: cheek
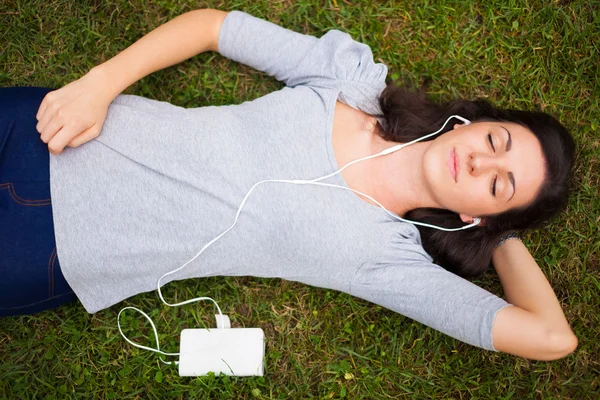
(434, 174)
(473, 197)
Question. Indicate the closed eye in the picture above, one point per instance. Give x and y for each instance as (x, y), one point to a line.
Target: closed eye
(491, 142)
(494, 185)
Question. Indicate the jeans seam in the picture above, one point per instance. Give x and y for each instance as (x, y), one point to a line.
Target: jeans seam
(53, 262)
(36, 303)
(25, 202)
(50, 274)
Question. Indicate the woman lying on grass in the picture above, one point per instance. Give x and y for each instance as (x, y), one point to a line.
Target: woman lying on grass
(155, 182)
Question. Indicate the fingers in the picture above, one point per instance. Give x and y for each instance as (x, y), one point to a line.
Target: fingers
(44, 105)
(48, 129)
(50, 117)
(86, 136)
(43, 115)
(57, 130)
(72, 115)
(67, 134)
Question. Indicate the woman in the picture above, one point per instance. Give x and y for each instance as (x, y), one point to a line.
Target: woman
(160, 181)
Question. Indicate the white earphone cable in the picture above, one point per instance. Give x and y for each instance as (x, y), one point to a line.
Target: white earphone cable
(296, 182)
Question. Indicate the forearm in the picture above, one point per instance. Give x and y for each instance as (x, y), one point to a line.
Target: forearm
(526, 287)
(183, 37)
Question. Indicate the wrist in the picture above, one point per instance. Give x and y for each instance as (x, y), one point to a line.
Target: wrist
(106, 81)
(507, 248)
(512, 235)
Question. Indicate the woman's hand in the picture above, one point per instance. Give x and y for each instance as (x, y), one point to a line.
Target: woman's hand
(74, 114)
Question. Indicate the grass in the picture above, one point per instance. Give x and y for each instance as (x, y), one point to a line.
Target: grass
(320, 343)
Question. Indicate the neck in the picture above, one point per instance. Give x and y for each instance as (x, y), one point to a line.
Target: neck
(398, 182)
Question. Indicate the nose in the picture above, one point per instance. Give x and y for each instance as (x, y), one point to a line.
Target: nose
(480, 163)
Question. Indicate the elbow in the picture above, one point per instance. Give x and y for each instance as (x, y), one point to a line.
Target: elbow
(560, 345)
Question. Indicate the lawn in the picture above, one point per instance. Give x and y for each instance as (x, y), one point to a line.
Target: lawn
(320, 343)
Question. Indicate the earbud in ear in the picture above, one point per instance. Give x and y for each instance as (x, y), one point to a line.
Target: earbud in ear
(464, 120)
(476, 221)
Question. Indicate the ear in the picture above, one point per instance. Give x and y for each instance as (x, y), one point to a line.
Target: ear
(469, 220)
(465, 218)
(457, 126)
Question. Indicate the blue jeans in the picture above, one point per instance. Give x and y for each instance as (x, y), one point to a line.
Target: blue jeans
(31, 277)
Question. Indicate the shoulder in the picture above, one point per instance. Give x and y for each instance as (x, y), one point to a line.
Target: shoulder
(402, 254)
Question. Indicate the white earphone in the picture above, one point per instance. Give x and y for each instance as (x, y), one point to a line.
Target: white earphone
(220, 316)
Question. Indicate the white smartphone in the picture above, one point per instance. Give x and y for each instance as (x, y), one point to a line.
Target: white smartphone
(233, 351)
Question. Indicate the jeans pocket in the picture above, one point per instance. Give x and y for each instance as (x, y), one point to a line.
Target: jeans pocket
(32, 198)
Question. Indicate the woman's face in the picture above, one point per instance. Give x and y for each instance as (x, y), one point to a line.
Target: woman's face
(484, 168)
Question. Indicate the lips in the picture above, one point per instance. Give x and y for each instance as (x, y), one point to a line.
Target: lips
(453, 165)
(456, 165)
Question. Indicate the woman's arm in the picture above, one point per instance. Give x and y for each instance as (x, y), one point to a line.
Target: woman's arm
(536, 326)
(183, 37)
(75, 113)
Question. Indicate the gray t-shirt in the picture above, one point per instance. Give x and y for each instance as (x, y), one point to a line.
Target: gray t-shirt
(161, 181)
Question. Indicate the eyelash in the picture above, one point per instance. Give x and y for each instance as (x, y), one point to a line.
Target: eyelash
(496, 177)
(491, 142)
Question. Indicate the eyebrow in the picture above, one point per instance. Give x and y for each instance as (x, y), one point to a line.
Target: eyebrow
(511, 176)
(509, 141)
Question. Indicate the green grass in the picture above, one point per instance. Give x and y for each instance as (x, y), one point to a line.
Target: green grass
(320, 343)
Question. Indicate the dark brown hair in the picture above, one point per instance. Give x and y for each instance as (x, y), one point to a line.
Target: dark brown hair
(408, 114)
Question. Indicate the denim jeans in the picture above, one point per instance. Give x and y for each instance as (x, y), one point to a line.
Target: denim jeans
(31, 277)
